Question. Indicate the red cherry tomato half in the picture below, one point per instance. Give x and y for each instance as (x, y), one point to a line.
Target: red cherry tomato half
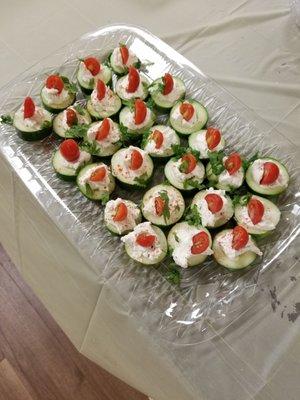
(145, 240)
(93, 65)
(240, 237)
(187, 111)
(200, 243)
(98, 175)
(213, 138)
(159, 205)
(103, 131)
(168, 84)
(55, 82)
(72, 118)
(69, 150)
(188, 163)
(124, 54)
(121, 212)
(136, 160)
(133, 80)
(256, 210)
(271, 173)
(214, 202)
(233, 163)
(140, 111)
(29, 108)
(101, 90)
(158, 138)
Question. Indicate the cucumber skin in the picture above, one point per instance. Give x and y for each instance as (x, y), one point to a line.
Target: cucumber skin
(67, 178)
(182, 134)
(34, 136)
(57, 110)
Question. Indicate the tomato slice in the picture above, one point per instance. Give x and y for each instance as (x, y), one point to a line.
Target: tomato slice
(98, 175)
(136, 160)
(200, 243)
(69, 150)
(213, 137)
(124, 54)
(133, 80)
(214, 202)
(93, 65)
(140, 111)
(233, 163)
(29, 108)
(55, 82)
(159, 206)
(240, 237)
(271, 173)
(158, 138)
(188, 163)
(256, 210)
(145, 240)
(71, 117)
(103, 131)
(168, 84)
(121, 212)
(101, 90)
(187, 111)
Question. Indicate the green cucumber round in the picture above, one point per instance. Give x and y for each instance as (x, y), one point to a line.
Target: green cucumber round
(164, 152)
(105, 75)
(125, 96)
(202, 118)
(58, 107)
(63, 172)
(214, 180)
(29, 134)
(194, 144)
(134, 133)
(173, 179)
(165, 102)
(92, 194)
(95, 147)
(104, 113)
(111, 225)
(124, 69)
(60, 130)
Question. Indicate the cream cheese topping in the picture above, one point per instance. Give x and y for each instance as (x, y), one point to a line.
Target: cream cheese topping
(99, 185)
(118, 61)
(176, 115)
(129, 120)
(107, 104)
(234, 180)
(225, 241)
(122, 85)
(133, 214)
(36, 121)
(200, 144)
(84, 157)
(181, 177)
(170, 139)
(258, 171)
(53, 97)
(207, 217)
(113, 136)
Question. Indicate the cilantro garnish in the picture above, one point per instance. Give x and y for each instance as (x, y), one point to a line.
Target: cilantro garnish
(6, 119)
(246, 163)
(192, 216)
(216, 161)
(77, 131)
(142, 180)
(166, 210)
(173, 274)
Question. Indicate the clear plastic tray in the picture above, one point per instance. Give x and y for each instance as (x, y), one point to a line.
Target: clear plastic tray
(210, 297)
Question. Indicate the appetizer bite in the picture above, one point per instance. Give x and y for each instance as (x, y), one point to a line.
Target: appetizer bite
(258, 216)
(190, 245)
(225, 172)
(122, 58)
(159, 141)
(267, 176)
(90, 70)
(234, 248)
(69, 118)
(135, 120)
(103, 102)
(147, 244)
(166, 91)
(132, 86)
(96, 182)
(163, 205)
(188, 116)
(103, 138)
(32, 122)
(206, 140)
(69, 159)
(214, 207)
(132, 167)
(121, 216)
(58, 93)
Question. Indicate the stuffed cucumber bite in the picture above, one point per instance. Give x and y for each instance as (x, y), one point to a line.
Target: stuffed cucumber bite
(122, 58)
(159, 141)
(166, 91)
(58, 93)
(69, 159)
(188, 116)
(90, 70)
(71, 117)
(121, 216)
(136, 120)
(267, 176)
(163, 205)
(132, 167)
(96, 182)
(31, 121)
(225, 172)
(103, 138)
(132, 86)
(190, 245)
(103, 102)
(235, 248)
(146, 244)
(206, 140)
(185, 173)
(259, 216)
(214, 207)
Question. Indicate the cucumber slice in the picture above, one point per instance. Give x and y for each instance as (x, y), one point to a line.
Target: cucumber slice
(239, 262)
(140, 93)
(272, 212)
(68, 172)
(29, 133)
(87, 87)
(60, 130)
(175, 208)
(170, 138)
(132, 179)
(87, 191)
(269, 190)
(123, 227)
(120, 70)
(105, 149)
(214, 180)
(104, 113)
(197, 141)
(173, 242)
(143, 259)
(57, 107)
(167, 101)
(172, 175)
(186, 128)
(126, 119)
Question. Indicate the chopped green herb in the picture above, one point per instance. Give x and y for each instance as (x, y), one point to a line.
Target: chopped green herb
(46, 124)
(194, 183)
(79, 109)
(150, 104)
(192, 216)
(173, 274)
(105, 198)
(246, 163)
(70, 86)
(6, 119)
(142, 180)
(216, 161)
(77, 131)
(145, 138)
(183, 167)
(92, 148)
(125, 135)
(242, 200)
(180, 151)
(129, 103)
(166, 210)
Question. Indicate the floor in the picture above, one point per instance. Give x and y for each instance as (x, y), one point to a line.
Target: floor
(37, 361)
